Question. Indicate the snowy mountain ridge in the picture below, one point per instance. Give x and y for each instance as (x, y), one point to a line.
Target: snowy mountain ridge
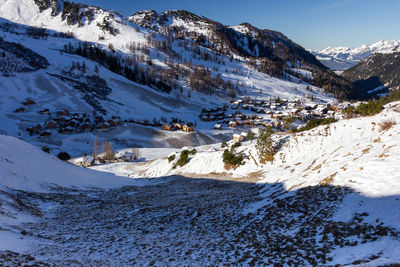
(342, 58)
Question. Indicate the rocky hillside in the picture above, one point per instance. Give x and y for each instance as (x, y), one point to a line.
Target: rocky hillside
(376, 72)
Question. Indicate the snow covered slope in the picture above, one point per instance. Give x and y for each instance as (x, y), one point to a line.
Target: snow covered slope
(355, 153)
(26, 167)
(353, 164)
(342, 58)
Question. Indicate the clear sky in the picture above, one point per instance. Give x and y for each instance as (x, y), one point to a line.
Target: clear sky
(314, 24)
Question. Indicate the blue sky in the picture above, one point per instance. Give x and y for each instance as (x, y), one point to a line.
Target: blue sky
(314, 24)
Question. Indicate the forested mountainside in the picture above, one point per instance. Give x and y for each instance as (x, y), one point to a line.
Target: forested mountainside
(376, 72)
(268, 51)
(177, 48)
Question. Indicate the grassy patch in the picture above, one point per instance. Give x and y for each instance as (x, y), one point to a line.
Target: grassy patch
(315, 123)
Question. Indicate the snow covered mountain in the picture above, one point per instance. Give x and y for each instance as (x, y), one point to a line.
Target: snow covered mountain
(91, 62)
(342, 58)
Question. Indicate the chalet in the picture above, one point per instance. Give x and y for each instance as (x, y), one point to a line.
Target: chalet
(73, 123)
(19, 110)
(115, 123)
(166, 127)
(293, 111)
(28, 102)
(59, 119)
(63, 112)
(100, 119)
(205, 118)
(238, 122)
(36, 128)
(44, 112)
(45, 134)
(51, 125)
(218, 127)
(232, 124)
(331, 113)
(188, 127)
(276, 123)
(85, 128)
(268, 124)
(238, 138)
(243, 135)
(104, 127)
(67, 130)
(177, 126)
(125, 156)
(277, 116)
(86, 162)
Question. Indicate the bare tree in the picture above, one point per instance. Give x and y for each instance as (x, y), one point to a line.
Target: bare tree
(96, 148)
(135, 153)
(109, 152)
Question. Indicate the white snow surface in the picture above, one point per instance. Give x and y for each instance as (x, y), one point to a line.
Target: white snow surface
(355, 153)
(26, 167)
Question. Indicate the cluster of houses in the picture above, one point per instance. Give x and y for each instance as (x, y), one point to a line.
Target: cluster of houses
(187, 127)
(67, 123)
(267, 113)
(105, 157)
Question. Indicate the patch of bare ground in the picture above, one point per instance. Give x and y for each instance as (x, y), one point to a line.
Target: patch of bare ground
(328, 180)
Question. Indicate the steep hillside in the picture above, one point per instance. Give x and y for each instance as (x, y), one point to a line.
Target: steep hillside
(267, 51)
(244, 39)
(376, 72)
(343, 58)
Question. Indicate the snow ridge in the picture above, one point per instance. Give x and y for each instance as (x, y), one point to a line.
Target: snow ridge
(342, 58)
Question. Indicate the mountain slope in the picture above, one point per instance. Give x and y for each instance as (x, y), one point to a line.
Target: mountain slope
(267, 51)
(342, 58)
(243, 39)
(377, 72)
(331, 195)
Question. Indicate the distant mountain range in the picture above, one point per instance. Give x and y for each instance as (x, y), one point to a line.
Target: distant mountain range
(342, 58)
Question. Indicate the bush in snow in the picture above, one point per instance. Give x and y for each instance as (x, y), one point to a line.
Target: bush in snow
(265, 146)
(231, 158)
(64, 156)
(184, 158)
(171, 158)
(46, 149)
(314, 123)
